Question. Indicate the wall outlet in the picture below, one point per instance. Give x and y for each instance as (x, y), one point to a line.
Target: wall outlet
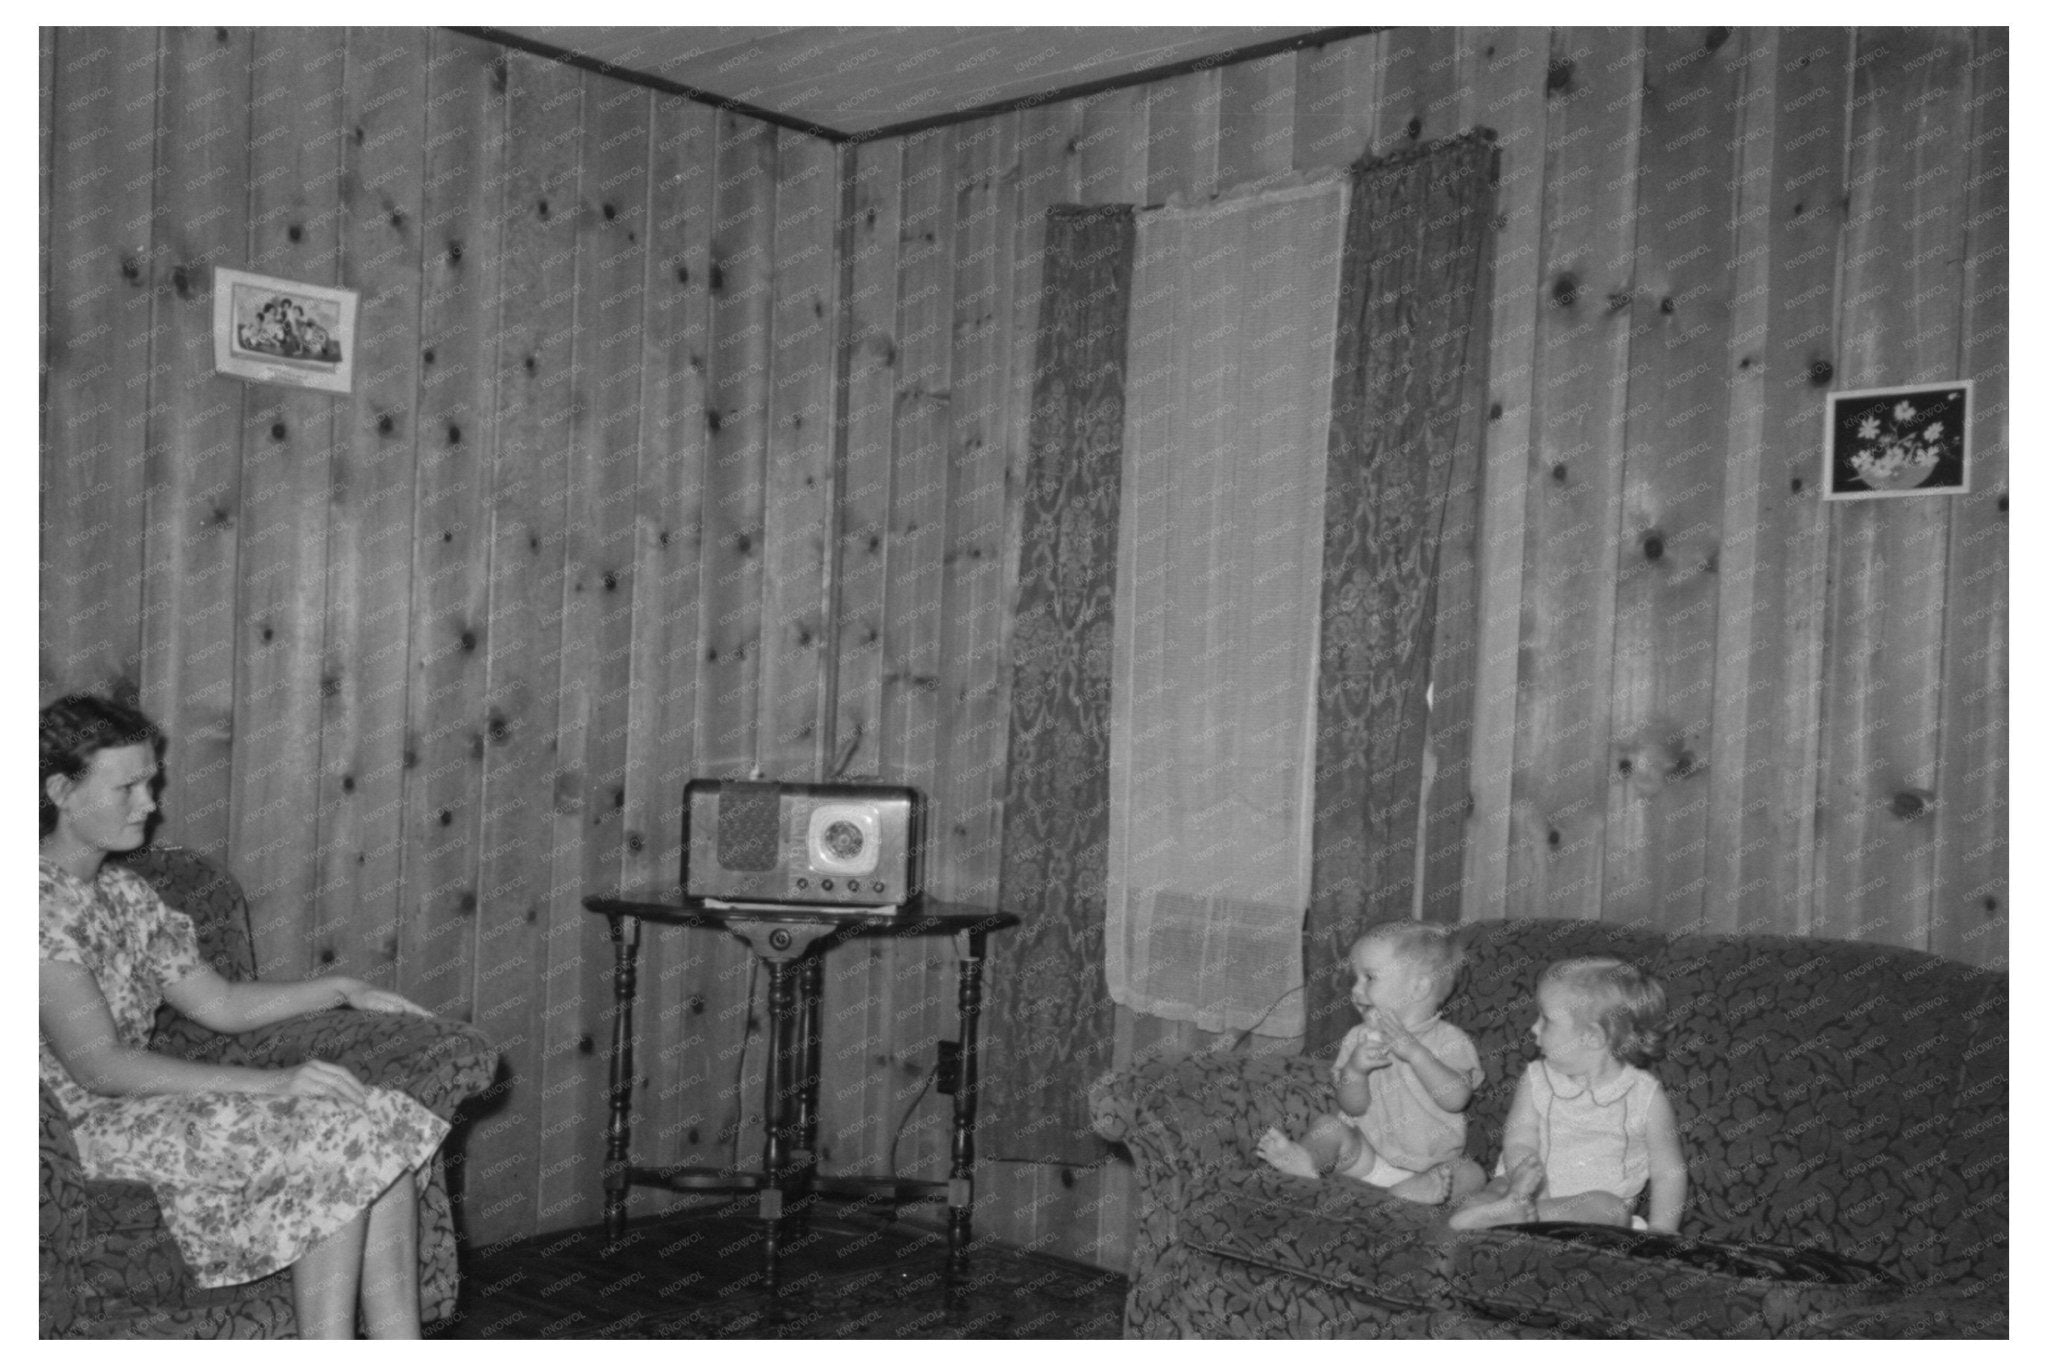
(948, 1067)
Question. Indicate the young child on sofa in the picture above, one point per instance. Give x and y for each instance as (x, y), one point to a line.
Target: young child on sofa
(1588, 1129)
(1404, 1075)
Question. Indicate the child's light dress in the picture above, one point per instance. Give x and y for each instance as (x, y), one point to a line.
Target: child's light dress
(1407, 1130)
(1593, 1138)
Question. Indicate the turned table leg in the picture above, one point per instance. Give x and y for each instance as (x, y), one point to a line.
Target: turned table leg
(619, 1127)
(960, 1188)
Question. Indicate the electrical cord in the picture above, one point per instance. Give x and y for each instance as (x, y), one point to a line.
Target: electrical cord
(1238, 1042)
(904, 1122)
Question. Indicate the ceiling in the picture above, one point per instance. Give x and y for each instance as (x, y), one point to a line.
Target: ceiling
(844, 83)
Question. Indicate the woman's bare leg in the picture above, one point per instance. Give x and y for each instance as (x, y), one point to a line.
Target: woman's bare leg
(324, 1283)
(391, 1262)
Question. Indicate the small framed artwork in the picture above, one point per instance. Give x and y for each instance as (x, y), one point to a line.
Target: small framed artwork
(283, 332)
(1889, 443)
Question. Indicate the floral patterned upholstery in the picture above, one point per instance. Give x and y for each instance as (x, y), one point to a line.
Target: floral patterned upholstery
(109, 1268)
(1835, 1096)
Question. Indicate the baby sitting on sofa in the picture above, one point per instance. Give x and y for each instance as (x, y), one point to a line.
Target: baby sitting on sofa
(1589, 1129)
(1404, 1075)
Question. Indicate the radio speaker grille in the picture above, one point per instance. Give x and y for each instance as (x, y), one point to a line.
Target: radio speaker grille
(749, 826)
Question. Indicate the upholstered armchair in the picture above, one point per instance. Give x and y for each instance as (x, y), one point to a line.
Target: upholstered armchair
(109, 1267)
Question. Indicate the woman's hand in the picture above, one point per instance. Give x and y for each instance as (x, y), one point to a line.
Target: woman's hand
(363, 996)
(318, 1078)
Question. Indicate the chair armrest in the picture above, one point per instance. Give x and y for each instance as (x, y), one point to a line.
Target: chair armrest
(440, 1063)
(61, 1204)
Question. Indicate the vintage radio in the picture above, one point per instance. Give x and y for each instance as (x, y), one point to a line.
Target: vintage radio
(857, 847)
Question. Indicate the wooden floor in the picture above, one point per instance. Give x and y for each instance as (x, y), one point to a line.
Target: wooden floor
(847, 1275)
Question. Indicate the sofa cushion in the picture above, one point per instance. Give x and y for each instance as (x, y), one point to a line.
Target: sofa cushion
(1814, 1084)
(1609, 1282)
(1341, 1233)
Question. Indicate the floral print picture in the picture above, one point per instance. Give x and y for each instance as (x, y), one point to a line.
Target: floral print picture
(1884, 443)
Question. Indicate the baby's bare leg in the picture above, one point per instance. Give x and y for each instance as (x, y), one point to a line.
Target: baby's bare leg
(1587, 1207)
(1330, 1145)
(1508, 1199)
(1444, 1182)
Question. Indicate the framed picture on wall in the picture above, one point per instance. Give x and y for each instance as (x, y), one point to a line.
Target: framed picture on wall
(283, 332)
(1891, 443)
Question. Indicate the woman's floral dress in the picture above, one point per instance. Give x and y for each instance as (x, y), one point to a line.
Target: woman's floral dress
(247, 1183)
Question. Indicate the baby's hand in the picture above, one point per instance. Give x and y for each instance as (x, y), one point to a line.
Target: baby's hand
(1398, 1041)
(1369, 1057)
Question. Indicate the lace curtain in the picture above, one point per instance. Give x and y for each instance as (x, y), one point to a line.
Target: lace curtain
(1212, 698)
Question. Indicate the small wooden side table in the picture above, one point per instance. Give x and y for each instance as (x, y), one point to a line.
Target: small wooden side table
(792, 941)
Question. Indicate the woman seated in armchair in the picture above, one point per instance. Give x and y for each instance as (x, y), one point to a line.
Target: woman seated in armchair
(255, 1169)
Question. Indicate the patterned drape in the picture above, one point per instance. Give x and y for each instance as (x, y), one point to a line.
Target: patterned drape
(1416, 246)
(1049, 1014)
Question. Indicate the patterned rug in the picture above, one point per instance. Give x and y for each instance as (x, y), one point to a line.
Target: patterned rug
(842, 1277)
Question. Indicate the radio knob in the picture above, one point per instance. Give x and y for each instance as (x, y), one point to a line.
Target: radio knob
(826, 883)
(852, 885)
(875, 886)
(802, 883)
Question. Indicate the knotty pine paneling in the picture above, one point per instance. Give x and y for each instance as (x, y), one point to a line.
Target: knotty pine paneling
(858, 1107)
(1970, 880)
(523, 782)
(190, 536)
(1899, 315)
(292, 442)
(1502, 82)
(371, 516)
(719, 481)
(1653, 676)
(454, 430)
(676, 1074)
(98, 338)
(1675, 303)
(1577, 392)
(438, 654)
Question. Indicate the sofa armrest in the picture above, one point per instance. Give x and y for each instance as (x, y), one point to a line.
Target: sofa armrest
(1204, 1111)
(440, 1063)
(1609, 1282)
(1917, 1314)
(63, 1221)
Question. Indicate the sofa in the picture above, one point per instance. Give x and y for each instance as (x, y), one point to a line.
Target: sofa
(109, 1267)
(1842, 1107)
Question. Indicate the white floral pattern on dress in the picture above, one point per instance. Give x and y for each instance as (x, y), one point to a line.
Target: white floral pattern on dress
(247, 1183)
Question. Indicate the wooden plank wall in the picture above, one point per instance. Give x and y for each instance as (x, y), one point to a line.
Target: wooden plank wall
(436, 656)
(1681, 711)
(684, 445)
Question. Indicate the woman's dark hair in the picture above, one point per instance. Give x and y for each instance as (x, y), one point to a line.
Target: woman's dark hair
(79, 726)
